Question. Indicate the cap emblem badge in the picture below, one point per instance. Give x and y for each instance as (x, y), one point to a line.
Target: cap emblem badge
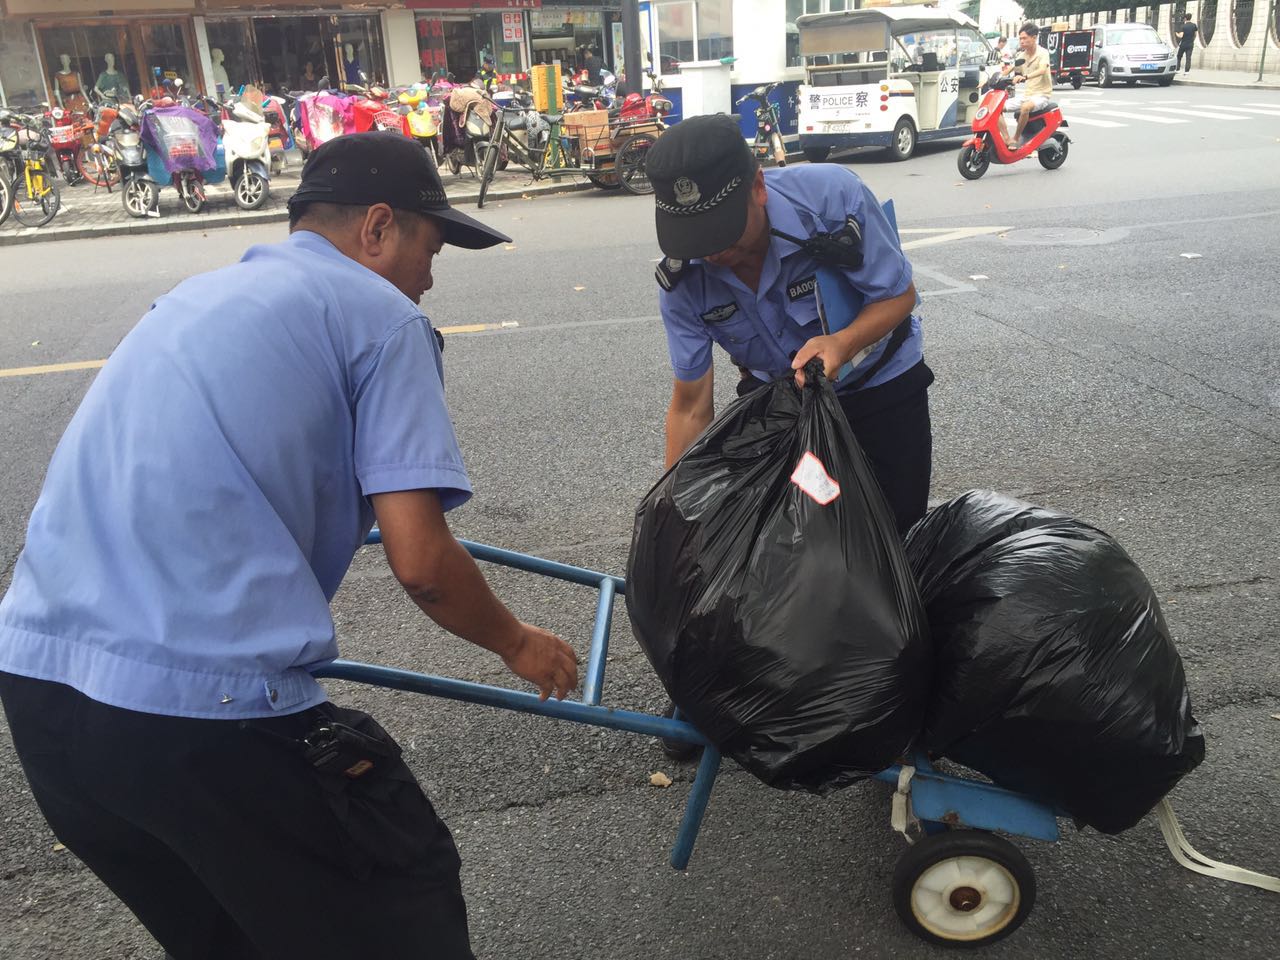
(686, 191)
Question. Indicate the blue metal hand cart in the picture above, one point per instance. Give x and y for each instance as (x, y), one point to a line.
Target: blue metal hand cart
(957, 884)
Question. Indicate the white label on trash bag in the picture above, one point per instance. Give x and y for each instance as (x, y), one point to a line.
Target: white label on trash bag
(812, 477)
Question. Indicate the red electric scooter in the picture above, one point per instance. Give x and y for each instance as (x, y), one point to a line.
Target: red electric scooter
(1041, 136)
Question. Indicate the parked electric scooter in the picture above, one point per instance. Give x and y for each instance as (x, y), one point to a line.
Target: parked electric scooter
(140, 193)
(987, 146)
(768, 142)
(183, 148)
(246, 145)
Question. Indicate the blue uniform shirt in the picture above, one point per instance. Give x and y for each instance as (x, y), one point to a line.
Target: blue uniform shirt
(761, 329)
(209, 494)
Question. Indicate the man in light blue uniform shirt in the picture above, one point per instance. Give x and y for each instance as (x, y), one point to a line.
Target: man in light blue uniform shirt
(744, 247)
(172, 599)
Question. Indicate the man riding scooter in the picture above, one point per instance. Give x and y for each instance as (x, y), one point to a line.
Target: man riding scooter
(1032, 70)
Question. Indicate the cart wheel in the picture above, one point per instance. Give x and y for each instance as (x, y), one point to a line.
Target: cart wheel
(973, 162)
(453, 162)
(605, 181)
(963, 888)
(1077, 81)
(486, 172)
(630, 163)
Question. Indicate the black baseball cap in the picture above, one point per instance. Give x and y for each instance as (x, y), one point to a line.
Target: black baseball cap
(361, 169)
(702, 171)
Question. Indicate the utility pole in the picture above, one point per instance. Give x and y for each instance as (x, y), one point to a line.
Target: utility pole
(1266, 36)
(631, 46)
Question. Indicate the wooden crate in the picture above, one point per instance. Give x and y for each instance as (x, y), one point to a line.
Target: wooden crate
(591, 127)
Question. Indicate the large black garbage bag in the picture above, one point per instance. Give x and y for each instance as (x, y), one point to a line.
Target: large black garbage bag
(768, 587)
(1055, 672)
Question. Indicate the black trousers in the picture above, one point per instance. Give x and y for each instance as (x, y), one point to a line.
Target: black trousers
(1184, 52)
(228, 845)
(891, 423)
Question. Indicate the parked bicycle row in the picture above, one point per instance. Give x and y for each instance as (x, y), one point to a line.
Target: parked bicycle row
(186, 142)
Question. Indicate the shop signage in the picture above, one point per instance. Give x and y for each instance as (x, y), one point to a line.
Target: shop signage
(52, 8)
(512, 27)
(472, 4)
(556, 18)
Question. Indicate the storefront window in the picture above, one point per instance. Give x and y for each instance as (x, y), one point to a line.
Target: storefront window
(715, 29)
(359, 43)
(502, 41)
(433, 58)
(675, 35)
(284, 46)
(233, 54)
(165, 47)
(77, 56)
(561, 34)
(20, 81)
(794, 8)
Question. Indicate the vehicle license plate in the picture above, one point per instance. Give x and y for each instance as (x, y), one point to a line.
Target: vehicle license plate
(1150, 66)
(839, 127)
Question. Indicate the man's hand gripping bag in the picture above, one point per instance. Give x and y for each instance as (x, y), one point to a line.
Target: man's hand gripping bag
(770, 591)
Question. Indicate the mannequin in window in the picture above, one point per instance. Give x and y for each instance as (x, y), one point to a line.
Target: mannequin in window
(111, 82)
(309, 80)
(220, 78)
(350, 63)
(68, 87)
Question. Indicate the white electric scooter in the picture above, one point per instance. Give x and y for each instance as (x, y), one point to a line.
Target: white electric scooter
(246, 138)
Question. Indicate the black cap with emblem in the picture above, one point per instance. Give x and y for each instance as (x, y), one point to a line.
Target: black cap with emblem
(361, 169)
(702, 171)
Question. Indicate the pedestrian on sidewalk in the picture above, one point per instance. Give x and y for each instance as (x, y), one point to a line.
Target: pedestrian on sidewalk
(1186, 43)
(172, 598)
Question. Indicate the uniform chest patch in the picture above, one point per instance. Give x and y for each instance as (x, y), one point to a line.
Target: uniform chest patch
(802, 288)
(721, 313)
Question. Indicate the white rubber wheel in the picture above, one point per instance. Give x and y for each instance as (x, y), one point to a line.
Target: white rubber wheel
(963, 888)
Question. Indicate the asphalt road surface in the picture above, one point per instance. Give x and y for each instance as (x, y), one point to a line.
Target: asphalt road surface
(1105, 341)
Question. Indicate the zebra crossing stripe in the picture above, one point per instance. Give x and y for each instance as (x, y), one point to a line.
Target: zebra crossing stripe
(1273, 112)
(1139, 116)
(1182, 112)
(1073, 120)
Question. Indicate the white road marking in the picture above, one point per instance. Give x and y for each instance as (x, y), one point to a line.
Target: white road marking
(1266, 113)
(1073, 120)
(1182, 112)
(1148, 118)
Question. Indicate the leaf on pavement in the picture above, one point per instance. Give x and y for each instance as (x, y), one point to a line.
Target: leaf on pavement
(1275, 716)
(35, 343)
(659, 779)
(58, 848)
(1190, 256)
(579, 288)
(509, 246)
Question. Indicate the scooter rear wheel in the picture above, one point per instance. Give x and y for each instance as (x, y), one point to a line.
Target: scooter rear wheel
(1052, 159)
(973, 162)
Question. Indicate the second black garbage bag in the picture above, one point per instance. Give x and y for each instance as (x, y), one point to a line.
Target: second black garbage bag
(1056, 674)
(769, 589)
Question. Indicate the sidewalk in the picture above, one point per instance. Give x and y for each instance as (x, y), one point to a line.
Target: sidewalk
(1235, 79)
(90, 212)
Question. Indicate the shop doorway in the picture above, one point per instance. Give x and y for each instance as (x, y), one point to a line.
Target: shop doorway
(460, 49)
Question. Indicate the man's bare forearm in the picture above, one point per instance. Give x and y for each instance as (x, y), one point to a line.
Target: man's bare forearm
(683, 428)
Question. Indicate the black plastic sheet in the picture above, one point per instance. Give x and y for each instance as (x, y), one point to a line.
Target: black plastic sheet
(768, 587)
(1055, 672)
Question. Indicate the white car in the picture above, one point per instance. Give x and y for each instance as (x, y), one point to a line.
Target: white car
(1131, 52)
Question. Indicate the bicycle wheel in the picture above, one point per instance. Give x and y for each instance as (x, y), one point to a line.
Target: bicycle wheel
(41, 206)
(629, 163)
(6, 190)
(98, 166)
(486, 173)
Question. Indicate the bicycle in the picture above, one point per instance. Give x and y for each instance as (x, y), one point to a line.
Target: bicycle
(34, 196)
(607, 153)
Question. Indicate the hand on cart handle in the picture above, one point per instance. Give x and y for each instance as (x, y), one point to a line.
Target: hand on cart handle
(544, 660)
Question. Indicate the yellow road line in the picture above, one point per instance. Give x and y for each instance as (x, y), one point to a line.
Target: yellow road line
(52, 368)
(96, 364)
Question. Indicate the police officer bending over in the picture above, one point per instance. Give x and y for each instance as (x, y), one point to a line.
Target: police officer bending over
(173, 594)
(743, 249)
